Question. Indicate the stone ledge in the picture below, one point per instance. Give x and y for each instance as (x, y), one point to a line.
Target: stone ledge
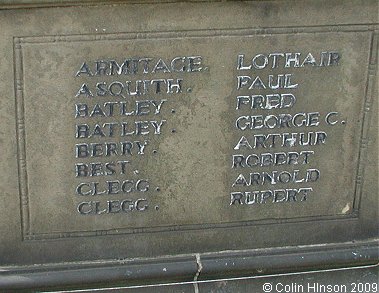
(192, 267)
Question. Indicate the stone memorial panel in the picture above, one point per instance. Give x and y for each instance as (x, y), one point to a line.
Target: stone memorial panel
(145, 132)
(182, 129)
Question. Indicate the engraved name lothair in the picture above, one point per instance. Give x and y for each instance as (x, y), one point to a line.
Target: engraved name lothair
(128, 102)
(267, 138)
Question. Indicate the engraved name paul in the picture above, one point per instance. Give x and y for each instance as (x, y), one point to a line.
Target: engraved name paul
(264, 155)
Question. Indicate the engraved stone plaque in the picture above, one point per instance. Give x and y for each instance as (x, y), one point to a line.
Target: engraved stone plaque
(243, 130)
(130, 137)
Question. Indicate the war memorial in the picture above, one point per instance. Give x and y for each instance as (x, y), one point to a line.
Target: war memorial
(179, 142)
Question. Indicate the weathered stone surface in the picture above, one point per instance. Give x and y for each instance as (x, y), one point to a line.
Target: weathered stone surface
(142, 130)
(106, 151)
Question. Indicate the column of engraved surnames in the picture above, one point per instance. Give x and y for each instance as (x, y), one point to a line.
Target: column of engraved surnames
(121, 107)
(279, 139)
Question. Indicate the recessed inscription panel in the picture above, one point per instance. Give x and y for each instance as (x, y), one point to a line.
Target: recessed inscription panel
(143, 134)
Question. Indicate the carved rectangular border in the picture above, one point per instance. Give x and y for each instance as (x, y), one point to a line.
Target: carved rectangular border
(27, 234)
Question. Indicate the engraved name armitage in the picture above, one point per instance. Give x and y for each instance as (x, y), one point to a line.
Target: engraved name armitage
(113, 91)
(268, 139)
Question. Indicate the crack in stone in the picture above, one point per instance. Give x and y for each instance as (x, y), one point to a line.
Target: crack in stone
(199, 268)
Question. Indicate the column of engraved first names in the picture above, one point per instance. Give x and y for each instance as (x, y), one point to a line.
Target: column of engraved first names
(275, 154)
